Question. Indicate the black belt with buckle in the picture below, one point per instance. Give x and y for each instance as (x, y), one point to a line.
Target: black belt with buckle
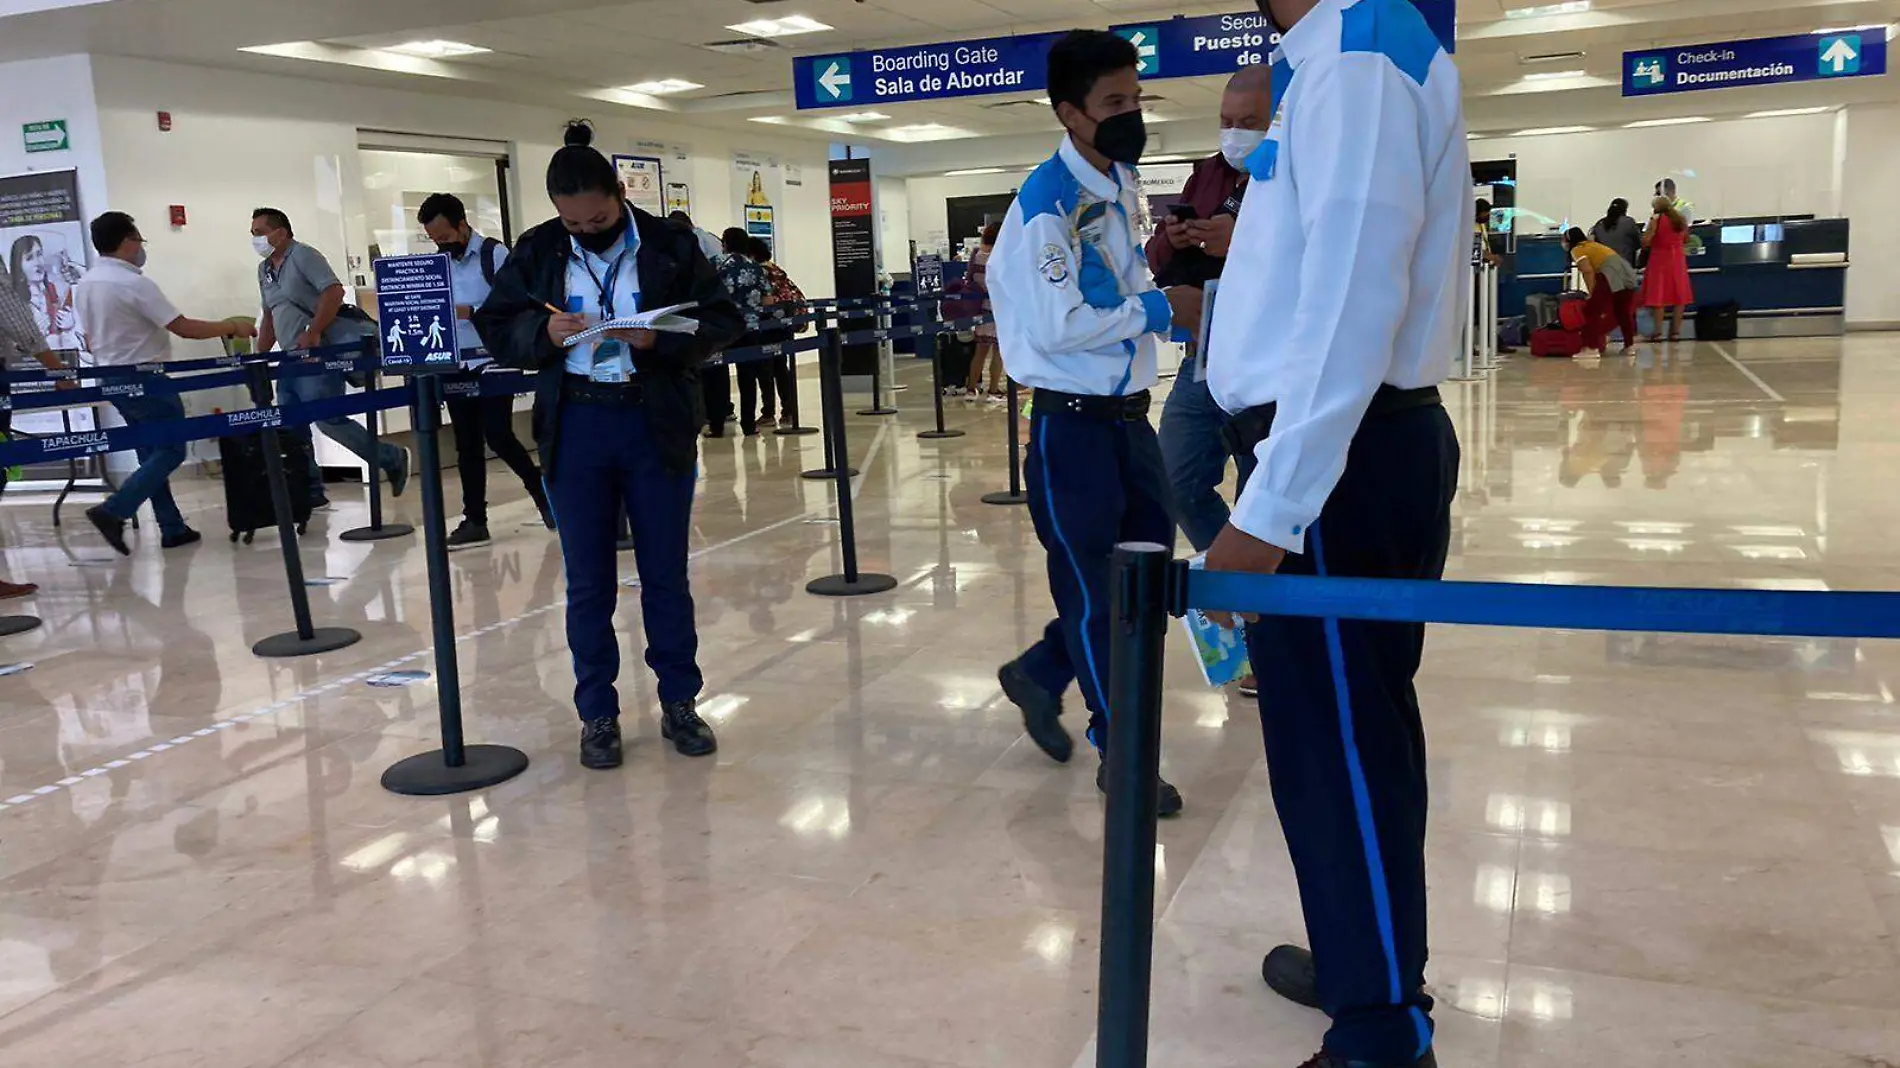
(583, 390)
(1129, 409)
(1249, 428)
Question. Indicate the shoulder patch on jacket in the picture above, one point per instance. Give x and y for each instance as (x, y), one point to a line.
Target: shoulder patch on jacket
(1049, 190)
(1393, 29)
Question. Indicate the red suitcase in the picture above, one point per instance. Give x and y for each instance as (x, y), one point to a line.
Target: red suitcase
(1556, 341)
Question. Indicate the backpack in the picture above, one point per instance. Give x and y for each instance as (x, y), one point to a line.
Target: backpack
(488, 261)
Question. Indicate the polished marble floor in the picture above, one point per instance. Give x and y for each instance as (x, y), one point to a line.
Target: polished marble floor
(1644, 851)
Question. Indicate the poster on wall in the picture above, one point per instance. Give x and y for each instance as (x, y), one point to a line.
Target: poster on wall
(678, 198)
(42, 257)
(645, 190)
(758, 187)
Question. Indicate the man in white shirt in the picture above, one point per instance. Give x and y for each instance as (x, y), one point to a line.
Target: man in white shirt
(126, 320)
(480, 423)
(1339, 312)
(1077, 315)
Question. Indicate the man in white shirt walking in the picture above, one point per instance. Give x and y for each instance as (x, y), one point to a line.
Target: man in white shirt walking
(1339, 312)
(1078, 315)
(126, 320)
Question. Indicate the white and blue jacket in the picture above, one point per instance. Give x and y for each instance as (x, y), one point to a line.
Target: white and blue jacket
(1350, 263)
(1076, 309)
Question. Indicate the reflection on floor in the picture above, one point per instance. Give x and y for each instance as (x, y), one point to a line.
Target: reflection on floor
(1645, 850)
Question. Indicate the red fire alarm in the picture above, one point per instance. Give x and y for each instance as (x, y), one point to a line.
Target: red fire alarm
(165, 122)
(178, 214)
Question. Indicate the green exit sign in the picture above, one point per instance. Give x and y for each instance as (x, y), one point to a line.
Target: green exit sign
(46, 136)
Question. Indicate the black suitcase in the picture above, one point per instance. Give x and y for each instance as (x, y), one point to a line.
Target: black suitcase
(247, 498)
(1718, 322)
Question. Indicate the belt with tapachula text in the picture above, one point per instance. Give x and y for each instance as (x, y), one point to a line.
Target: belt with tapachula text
(1129, 409)
(1248, 429)
(583, 390)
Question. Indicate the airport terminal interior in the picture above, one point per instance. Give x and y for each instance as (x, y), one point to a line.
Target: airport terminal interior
(1642, 848)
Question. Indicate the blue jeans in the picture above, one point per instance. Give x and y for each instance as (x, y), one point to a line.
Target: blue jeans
(342, 429)
(156, 463)
(1195, 457)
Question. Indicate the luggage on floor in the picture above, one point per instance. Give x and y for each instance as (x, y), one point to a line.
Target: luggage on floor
(247, 499)
(1571, 310)
(1718, 322)
(1556, 341)
(1540, 310)
(1512, 333)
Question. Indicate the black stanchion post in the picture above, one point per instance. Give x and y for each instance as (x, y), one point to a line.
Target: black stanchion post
(878, 407)
(788, 404)
(830, 401)
(928, 340)
(851, 583)
(306, 639)
(455, 768)
(1139, 578)
(1015, 495)
(377, 529)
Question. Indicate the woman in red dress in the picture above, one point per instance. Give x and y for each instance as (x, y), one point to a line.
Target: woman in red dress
(1666, 284)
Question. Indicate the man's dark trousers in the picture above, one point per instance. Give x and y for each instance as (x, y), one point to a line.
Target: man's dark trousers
(483, 423)
(1345, 746)
(1093, 482)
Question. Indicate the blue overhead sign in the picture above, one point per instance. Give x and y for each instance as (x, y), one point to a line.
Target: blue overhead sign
(415, 313)
(1173, 48)
(1762, 61)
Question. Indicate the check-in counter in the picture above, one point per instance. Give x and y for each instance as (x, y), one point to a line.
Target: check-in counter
(1788, 274)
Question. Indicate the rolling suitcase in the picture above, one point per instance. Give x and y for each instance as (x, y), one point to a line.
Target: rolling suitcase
(247, 499)
(1718, 322)
(1556, 341)
(1540, 310)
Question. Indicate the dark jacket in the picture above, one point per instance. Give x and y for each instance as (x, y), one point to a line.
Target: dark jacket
(1213, 189)
(513, 323)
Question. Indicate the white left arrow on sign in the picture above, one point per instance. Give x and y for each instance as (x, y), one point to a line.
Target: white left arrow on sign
(834, 80)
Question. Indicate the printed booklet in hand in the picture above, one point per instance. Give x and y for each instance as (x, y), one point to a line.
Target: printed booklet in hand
(665, 320)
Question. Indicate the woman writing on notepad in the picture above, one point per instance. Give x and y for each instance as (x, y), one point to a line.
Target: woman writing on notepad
(617, 420)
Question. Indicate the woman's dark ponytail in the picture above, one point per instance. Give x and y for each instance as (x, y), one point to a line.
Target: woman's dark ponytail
(578, 168)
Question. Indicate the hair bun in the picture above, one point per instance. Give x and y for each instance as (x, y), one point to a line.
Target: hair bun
(579, 132)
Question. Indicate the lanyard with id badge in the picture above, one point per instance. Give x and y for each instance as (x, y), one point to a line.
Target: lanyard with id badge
(612, 362)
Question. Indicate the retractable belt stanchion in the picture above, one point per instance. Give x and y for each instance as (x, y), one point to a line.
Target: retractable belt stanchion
(1139, 577)
(830, 401)
(851, 583)
(377, 529)
(1015, 494)
(878, 407)
(928, 340)
(306, 639)
(788, 404)
(455, 767)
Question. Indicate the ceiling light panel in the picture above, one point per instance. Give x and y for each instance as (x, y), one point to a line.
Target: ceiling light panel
(788, 26)
(436, 49)
(663, 86)
(1569, 7)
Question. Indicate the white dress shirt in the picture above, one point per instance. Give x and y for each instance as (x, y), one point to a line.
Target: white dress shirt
(599, 284)
(1076, 309)
(470, 283)
(123, 315)
(1349, 265)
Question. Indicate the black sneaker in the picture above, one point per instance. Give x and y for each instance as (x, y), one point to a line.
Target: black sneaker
(111, 528)
(547, 511)
(600, 743)
(399, 474)
(1042, 712)
(1288, 970)
(468, 534)
(1167, 801)
(181, 539)
(681, 725)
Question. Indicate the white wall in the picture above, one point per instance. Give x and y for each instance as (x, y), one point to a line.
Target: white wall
(893, 223)
(241, 140)
(1870, 174)
(38, 90)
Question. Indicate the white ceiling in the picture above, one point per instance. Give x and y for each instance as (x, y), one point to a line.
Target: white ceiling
(573, 53)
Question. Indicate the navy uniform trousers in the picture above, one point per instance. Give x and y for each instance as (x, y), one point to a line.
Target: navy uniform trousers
(1345, 747)
(605, 462)
(1093, 482)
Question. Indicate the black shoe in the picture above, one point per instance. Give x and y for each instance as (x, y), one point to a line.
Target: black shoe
(468, 534)
(181, 539)
(1289, 971)
(1167, 798)
(399, 474)
(1323, 1059)
(111, 528)
(600, 743)
(547, 512)
(681, 725)
(1042, 713)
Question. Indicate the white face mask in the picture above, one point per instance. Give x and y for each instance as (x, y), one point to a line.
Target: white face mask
(1237, 144)
(261, 245)
(138, 258)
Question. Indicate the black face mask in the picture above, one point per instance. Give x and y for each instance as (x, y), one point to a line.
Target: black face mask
(453, 249)
(1121, 138)
(600, 241)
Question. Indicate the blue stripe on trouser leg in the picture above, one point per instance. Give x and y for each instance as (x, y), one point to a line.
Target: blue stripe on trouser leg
(1345, 748)
(605, 457)
(1091, 483)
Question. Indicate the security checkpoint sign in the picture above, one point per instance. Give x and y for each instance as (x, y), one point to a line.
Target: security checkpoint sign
(415, 304)
(1804, 57)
